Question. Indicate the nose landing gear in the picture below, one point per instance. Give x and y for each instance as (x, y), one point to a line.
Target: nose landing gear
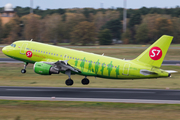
(24, 70)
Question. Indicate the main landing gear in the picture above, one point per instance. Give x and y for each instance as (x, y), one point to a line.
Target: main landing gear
(85, 81)
(70, 82)
(24, 70)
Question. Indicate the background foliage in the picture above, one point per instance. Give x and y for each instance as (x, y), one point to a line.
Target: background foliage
(82, 26)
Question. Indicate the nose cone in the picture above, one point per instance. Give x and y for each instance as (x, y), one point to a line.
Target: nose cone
(4, 50)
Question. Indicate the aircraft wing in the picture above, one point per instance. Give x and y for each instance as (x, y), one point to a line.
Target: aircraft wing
(62, 65)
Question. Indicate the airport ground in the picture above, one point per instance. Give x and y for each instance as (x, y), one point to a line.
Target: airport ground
(70, 110)
(10, 75)
(57, 110)
(64, 110)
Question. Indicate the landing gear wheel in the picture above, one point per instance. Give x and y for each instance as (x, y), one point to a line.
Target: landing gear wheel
(69, 82)
(23, 71)
(85, 81)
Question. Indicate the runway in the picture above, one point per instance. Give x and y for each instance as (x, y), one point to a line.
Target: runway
(10, 60)
(91, 94)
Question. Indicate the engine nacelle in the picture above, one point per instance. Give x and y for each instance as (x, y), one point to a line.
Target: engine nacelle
(44, 69)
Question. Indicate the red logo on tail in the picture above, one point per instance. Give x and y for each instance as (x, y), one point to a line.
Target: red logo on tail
(155, 53)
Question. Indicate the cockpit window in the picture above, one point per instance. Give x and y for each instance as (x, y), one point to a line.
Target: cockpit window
(13, 45)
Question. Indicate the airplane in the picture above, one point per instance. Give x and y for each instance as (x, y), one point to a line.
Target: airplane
(50, 59)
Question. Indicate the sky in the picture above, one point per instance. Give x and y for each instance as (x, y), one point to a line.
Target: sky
(55, 4)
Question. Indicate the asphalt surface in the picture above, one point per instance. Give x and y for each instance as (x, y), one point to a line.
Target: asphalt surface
(91, 94)
(10, 60)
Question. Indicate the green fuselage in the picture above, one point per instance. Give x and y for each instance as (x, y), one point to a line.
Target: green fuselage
(88, 63)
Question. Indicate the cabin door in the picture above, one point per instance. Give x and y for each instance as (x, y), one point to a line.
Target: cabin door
(126, 69)
(23, 48)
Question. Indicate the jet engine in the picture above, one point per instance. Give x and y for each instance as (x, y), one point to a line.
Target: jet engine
(44, 69)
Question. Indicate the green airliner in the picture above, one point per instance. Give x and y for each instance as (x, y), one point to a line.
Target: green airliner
(50, 59)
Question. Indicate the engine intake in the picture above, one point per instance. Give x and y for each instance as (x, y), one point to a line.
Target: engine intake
(44, 69)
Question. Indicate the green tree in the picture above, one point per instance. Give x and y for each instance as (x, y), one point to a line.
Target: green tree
(101, 18)
(1, 31)
(176, 30)
(163, 26)
(83, 33)
(152, 21)
(72, 19)
(49, 28)
(135, 19)
(105, 37)
(114, 26)
(12, 30)
(142, 34)
(126, 37)
(32, 26)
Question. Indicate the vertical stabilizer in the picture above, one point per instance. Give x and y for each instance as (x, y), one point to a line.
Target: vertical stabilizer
(154, 55)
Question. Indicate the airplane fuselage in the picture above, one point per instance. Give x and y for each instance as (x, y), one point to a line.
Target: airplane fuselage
(88, 63)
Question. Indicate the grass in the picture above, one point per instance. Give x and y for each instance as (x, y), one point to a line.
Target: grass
(10, 75)
(66, 110)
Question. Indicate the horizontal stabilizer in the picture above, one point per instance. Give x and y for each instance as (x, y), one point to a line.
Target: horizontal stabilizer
(171, 71)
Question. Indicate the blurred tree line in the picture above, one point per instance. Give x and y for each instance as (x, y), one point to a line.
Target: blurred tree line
(87, 26)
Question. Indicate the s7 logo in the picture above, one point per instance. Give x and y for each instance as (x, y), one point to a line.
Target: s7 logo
(29, 54)
(155, 53)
